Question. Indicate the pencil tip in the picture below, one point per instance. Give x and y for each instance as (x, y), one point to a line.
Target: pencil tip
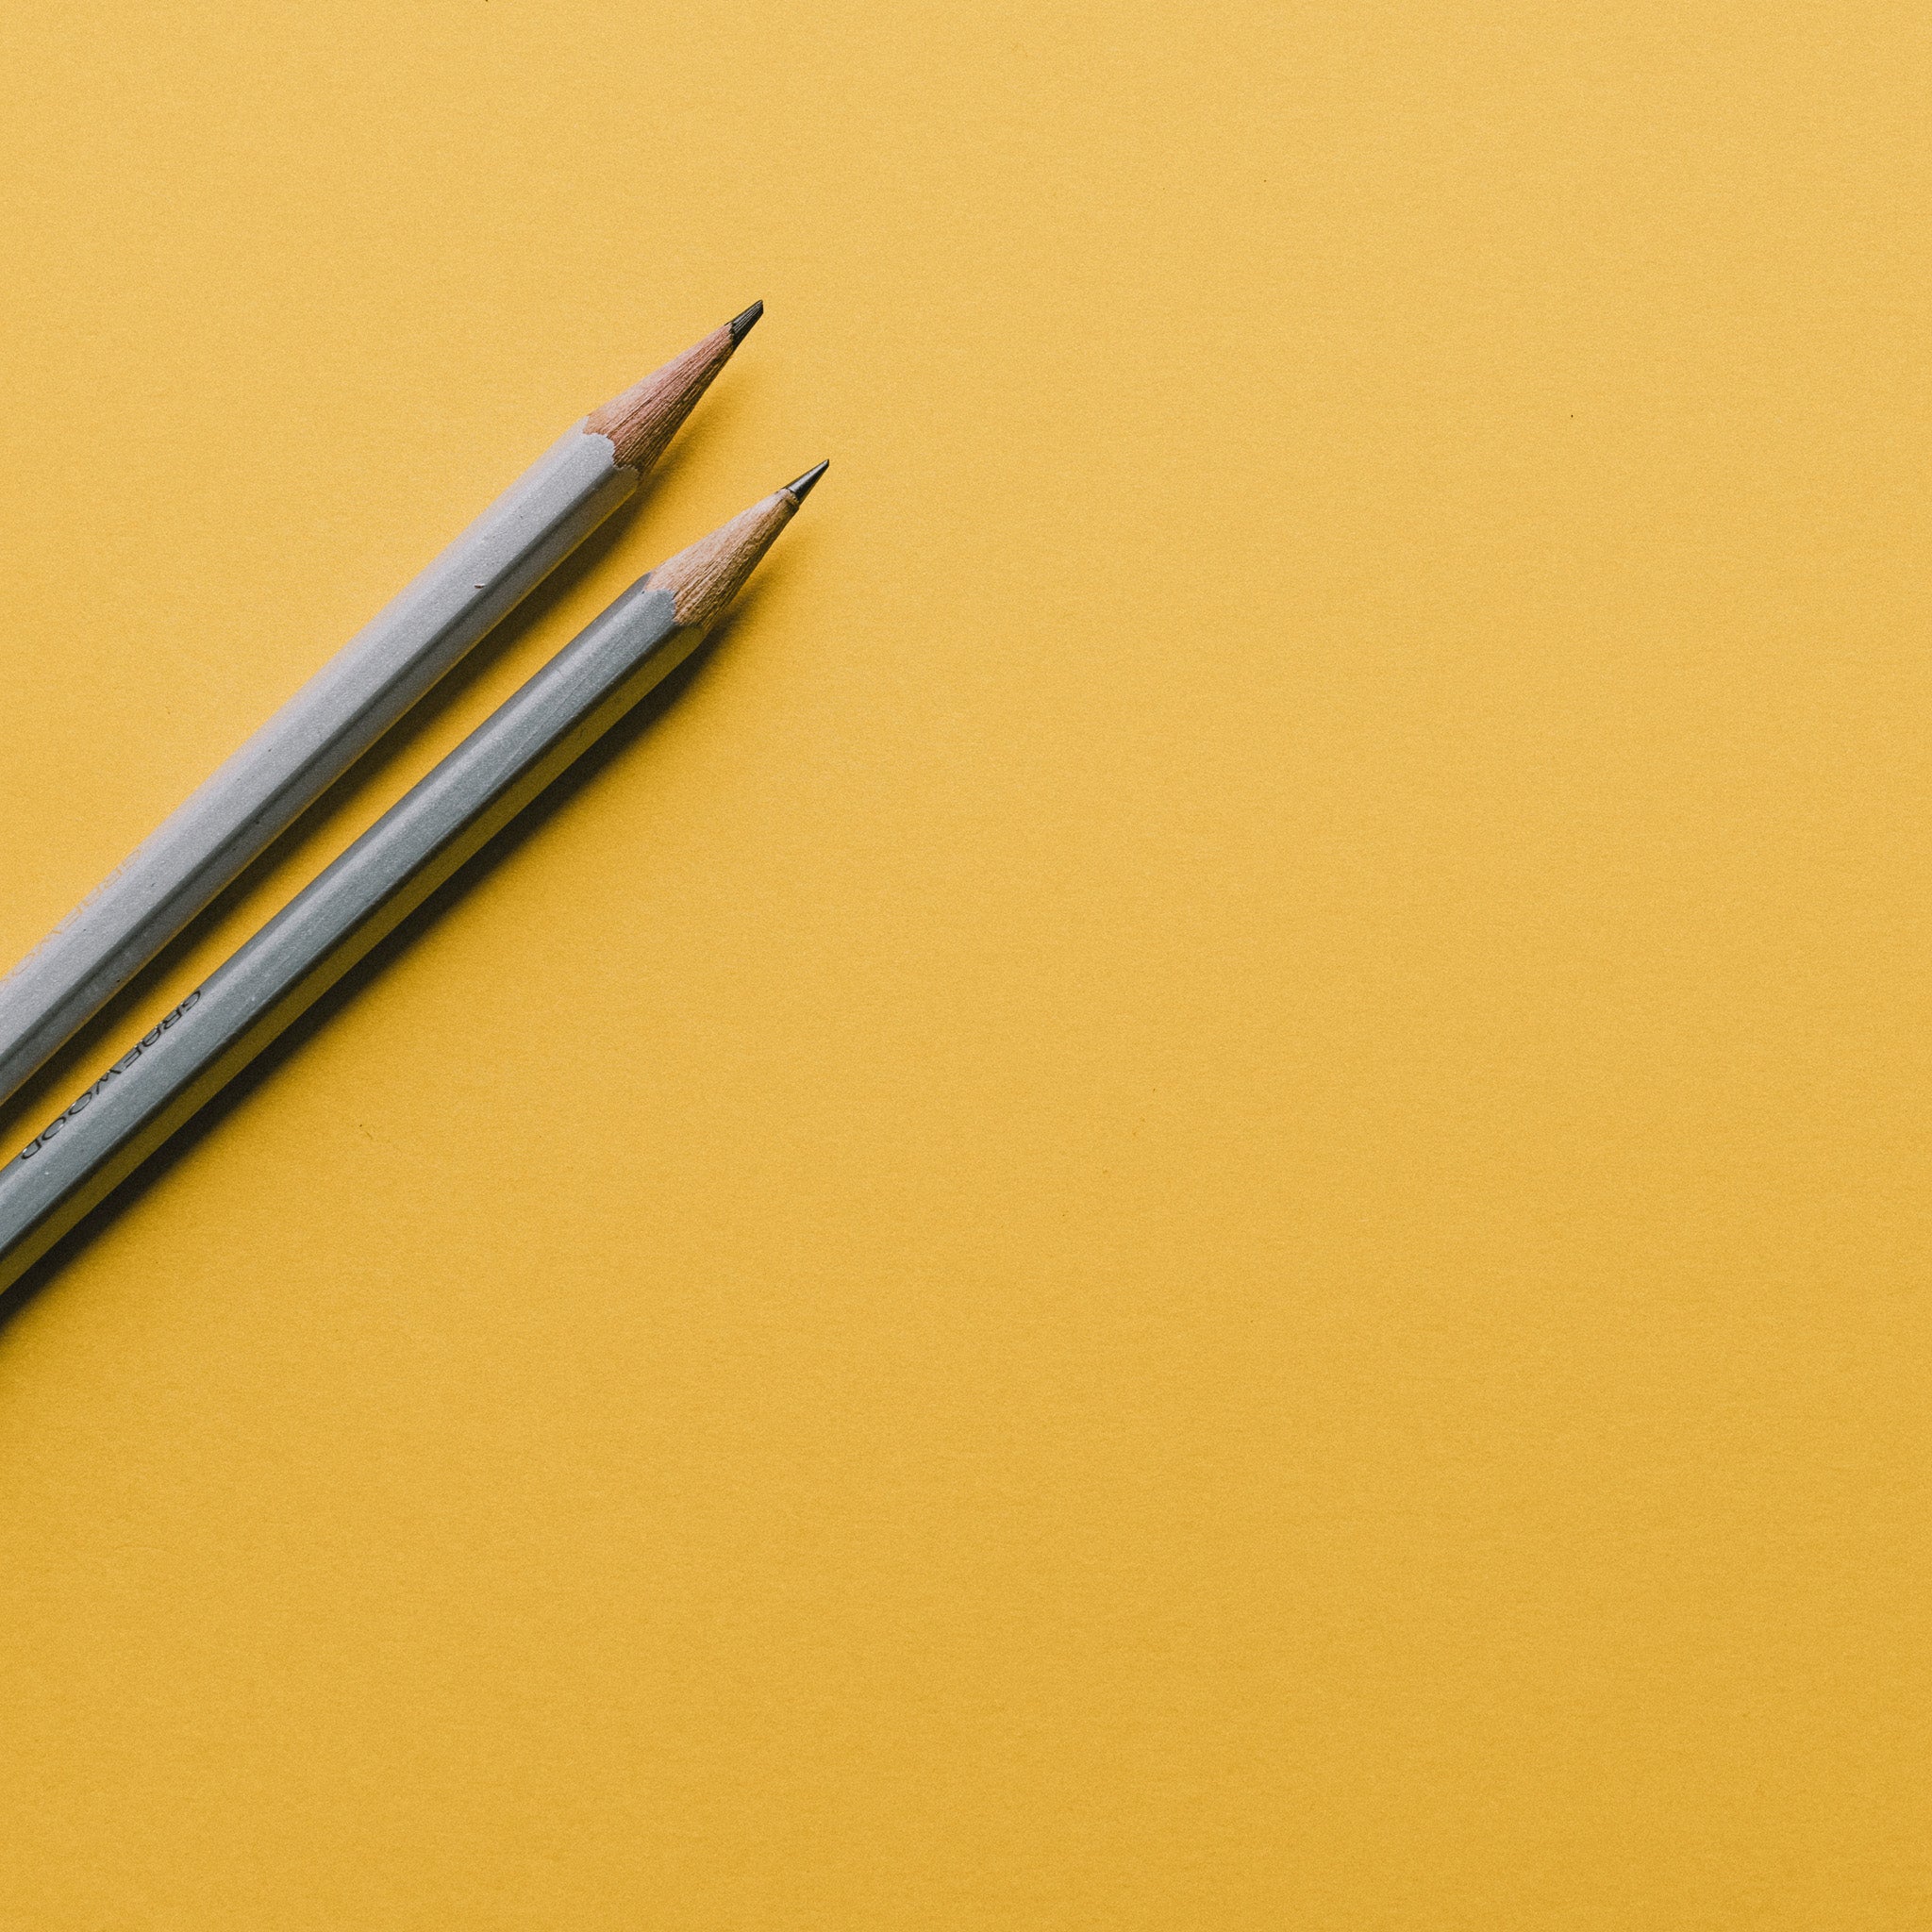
(798, 491)
(642, 421)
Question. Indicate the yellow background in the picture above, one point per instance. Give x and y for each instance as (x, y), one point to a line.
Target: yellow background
(1200, 1204)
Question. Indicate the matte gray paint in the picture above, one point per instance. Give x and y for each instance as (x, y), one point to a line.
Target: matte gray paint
(305, 747)
(383, 876)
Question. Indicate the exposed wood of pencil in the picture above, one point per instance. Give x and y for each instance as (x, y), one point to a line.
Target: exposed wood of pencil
(642, 421)
(704, 578)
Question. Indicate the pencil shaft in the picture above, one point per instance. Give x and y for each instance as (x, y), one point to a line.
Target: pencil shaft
(382, 878)
(315, 738)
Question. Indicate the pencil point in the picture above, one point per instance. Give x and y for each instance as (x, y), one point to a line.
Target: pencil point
(798, 491)
(703, 578)
(642, 421)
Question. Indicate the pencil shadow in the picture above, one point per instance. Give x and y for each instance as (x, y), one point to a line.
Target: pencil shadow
(638, 725)
(46, 1091)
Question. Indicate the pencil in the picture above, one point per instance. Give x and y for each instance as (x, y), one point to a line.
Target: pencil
(413, 848)
(571, 489)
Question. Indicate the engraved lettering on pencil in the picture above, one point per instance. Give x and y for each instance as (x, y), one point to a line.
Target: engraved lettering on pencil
(119, 1067)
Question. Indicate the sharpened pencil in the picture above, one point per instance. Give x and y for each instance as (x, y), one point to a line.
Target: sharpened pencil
(233, 818)
(389, 871)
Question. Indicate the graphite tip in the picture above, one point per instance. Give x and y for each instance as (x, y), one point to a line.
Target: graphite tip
(799, 491)
(742, 326)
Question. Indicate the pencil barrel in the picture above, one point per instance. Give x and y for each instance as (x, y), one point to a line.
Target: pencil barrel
(205, 844)
(336, 921)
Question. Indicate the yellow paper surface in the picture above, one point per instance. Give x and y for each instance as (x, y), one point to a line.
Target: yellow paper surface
(1201, 1205)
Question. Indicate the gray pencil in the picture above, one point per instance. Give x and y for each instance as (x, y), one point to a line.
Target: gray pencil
(346, 706)
(156, 1086)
